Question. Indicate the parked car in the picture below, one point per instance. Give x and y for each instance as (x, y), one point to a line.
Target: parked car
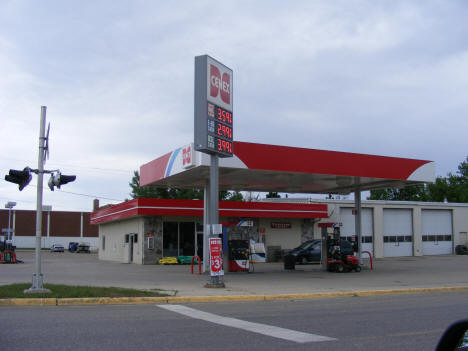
(57, 248)
(83, 247)
(311, 251)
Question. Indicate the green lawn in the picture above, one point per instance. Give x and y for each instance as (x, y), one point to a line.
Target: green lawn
(69, 291)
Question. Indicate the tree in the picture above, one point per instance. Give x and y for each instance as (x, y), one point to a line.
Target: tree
(453, 188)
(175, 193)
(234, 196)
(273, 195)
(409, 193)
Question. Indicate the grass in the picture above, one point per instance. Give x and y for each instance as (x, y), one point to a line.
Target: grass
(70, 291)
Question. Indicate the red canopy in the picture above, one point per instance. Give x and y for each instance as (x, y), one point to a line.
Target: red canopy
(260, 167)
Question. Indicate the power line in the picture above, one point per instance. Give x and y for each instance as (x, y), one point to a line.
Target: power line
(88, 195)
(75, 166)
(80, 194)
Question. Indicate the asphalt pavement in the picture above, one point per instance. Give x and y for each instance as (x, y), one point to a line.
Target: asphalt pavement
(398, 274)
(391, 322)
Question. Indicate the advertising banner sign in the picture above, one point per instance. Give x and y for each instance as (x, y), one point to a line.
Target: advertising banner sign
(216, 259)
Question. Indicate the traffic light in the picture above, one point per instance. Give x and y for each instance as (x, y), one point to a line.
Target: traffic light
(22, 178)
(59, 179)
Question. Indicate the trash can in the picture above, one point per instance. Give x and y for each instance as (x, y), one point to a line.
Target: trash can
(461, 250)
(289, 262)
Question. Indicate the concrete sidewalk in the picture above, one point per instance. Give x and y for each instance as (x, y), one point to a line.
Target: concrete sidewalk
(268, 278)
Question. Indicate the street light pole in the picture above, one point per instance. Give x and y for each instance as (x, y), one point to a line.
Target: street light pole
(9, 205)
(37, 278)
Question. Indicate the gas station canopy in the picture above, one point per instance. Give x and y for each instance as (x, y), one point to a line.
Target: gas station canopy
(261, 167)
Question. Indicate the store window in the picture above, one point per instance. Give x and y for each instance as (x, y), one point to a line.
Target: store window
(187, 238)
(170, 238)
(178, 239)
(150, 243)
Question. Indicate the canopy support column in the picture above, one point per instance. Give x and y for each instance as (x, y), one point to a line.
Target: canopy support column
(206, 229)
(357, 217)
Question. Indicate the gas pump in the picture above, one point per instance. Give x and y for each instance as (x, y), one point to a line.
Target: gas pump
(328, 241)
(238, 255)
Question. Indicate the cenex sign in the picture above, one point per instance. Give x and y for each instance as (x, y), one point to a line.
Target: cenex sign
(213, 107)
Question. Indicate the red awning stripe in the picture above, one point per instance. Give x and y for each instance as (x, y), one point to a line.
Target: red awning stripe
(119, 211)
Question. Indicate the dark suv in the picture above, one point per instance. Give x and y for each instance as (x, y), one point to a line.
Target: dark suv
(311, 251)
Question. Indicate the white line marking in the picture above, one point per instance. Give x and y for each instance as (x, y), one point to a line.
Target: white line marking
(264, 329)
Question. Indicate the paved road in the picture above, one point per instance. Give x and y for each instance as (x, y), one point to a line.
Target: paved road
(392, 322)
(269, 278)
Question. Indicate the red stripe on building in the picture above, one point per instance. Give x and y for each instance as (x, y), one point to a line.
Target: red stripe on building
(194, 208)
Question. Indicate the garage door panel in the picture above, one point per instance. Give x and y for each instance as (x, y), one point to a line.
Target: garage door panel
(398, 232)
(437, 235)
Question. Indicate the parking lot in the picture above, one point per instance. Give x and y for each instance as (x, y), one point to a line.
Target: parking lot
(268, 278)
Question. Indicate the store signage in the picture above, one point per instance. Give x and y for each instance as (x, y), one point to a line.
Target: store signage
(281, 225)
(330, 224)
(247, 223)
(216, 259)
(187, 156)
(216, 229)
(213, 132)
(149, 235)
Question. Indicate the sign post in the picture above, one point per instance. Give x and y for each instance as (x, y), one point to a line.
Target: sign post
(213, 135)
(9, 205)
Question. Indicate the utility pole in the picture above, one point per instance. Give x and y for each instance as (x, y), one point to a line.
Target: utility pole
(37, 278)
(22, 178)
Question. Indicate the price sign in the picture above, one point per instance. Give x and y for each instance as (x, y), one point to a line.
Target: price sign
(213, 107)
(216, 259)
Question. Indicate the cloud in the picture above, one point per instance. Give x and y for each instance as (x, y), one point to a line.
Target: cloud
(368, 76)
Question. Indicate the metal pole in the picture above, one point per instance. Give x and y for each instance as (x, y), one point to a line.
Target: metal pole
(214, 201)
(9, 224)
(37, 278)
(357, 221)
(214, 189)
(206, 230)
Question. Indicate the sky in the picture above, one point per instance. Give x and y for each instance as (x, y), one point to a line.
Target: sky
(376, 77)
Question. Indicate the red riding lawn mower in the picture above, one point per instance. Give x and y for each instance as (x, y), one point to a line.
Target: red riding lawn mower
(338, 262)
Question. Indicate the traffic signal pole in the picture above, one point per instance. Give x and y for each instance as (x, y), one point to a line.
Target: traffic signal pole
(37, 278)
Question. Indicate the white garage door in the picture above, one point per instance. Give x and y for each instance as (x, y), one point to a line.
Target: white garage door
(367, 224)
(437, 232)
(398, 232)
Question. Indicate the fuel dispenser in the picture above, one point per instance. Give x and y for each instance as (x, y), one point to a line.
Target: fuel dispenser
(238, 255)
(328, 241)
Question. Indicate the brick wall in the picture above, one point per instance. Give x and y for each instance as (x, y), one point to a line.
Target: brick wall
(62, 224)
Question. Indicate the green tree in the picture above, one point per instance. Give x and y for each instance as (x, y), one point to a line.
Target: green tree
(410, 193)
(273, 195)
(453, 188)
(233, 196)
(175, 193)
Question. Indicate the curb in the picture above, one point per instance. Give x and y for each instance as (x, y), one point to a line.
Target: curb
(225, 298)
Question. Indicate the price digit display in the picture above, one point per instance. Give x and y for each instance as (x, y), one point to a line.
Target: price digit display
(224, 146)
(224, 116)
(219, 128)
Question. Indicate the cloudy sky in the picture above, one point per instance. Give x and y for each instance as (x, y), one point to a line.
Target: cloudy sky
(378, 77)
